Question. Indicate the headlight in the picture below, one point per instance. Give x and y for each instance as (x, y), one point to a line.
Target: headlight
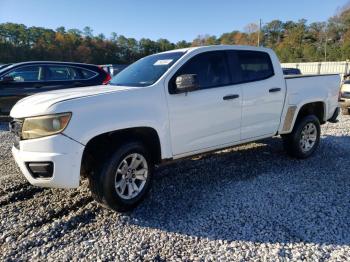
(40, 126)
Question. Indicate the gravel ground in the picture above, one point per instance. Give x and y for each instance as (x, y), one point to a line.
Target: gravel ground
(251, 202)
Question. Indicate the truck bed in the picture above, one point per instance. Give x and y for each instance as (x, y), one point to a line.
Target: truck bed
(303, 76)
(314, 88)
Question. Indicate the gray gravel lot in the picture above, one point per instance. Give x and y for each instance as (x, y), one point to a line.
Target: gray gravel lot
(251, 202)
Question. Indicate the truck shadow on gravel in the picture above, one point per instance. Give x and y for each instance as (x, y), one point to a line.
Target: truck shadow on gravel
(256, 193)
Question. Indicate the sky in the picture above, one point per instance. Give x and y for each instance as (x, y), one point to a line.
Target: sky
(173, 19)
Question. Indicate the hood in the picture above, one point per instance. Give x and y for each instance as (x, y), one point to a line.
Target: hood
(40, 103)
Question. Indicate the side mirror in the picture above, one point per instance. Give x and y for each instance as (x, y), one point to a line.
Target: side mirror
(7, 79)
(186, 83)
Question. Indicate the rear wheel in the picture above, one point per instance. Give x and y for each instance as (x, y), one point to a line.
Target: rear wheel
(304, 139)
(125, 178)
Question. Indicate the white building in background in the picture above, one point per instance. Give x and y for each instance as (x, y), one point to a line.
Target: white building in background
(342, 67)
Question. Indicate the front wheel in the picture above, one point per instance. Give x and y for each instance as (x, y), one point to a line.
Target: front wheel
(125, 178)
(304, 139)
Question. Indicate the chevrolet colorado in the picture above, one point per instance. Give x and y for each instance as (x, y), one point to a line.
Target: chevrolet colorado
(164, 107)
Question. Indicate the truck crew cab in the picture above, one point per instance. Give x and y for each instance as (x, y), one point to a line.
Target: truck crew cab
(164, 107)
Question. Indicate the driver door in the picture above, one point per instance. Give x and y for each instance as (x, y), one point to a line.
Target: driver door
(209, 117)
(26, 80)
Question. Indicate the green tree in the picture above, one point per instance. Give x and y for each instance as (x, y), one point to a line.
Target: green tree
(293, 41)
(88, 32)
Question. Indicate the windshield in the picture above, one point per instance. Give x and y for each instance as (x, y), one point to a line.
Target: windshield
(146, 71)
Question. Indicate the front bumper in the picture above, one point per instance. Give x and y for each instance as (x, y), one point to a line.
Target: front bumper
(63, 152)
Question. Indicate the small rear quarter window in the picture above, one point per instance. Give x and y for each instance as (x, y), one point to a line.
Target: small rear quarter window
(87, 74)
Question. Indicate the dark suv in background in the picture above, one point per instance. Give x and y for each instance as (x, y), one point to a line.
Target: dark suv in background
(4, 65)
(291, 71)
(23, 79)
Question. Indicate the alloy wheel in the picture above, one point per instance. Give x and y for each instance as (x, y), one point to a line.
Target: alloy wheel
(308, 137)
(131, 176)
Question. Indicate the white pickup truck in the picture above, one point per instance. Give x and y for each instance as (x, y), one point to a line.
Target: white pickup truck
(164, 107)
(345, 98)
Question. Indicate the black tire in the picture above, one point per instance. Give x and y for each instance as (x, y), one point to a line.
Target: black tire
(102, 184)
(345, 111)
(291, 142)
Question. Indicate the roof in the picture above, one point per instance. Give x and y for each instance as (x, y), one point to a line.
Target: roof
(219, 47)
(51, 62)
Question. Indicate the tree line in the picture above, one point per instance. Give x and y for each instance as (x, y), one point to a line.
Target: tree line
(292, 41)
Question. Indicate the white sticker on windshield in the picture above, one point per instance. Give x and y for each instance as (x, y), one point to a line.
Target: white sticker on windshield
(163, 62)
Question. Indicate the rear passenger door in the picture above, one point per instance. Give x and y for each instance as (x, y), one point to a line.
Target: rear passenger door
(209, 117)
(262, 90)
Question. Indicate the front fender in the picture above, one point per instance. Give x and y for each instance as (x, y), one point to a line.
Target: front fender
(96, 115)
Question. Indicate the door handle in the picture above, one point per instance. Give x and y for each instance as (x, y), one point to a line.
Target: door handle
(38, 85)
(273, 90)
(230, 97)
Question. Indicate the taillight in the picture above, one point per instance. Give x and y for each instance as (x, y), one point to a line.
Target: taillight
(107, 79)
(108, 76)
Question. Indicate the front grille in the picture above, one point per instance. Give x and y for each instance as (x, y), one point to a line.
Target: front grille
(16, 129)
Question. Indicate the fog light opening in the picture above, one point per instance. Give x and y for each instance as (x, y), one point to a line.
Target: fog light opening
(40, 169)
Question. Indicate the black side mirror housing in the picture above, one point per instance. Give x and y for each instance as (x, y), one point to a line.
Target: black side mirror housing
(186, 83)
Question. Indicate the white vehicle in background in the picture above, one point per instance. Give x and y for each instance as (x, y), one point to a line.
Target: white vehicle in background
(164, 107)
(345, 97)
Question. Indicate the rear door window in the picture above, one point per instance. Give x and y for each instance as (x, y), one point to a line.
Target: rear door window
(254, 65)
(62, 73)
(87, 74)
(211, 69)
(27, 74)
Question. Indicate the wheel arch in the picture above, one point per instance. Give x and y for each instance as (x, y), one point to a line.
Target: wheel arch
(103, 145)
(296, 112)
(317, 108)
